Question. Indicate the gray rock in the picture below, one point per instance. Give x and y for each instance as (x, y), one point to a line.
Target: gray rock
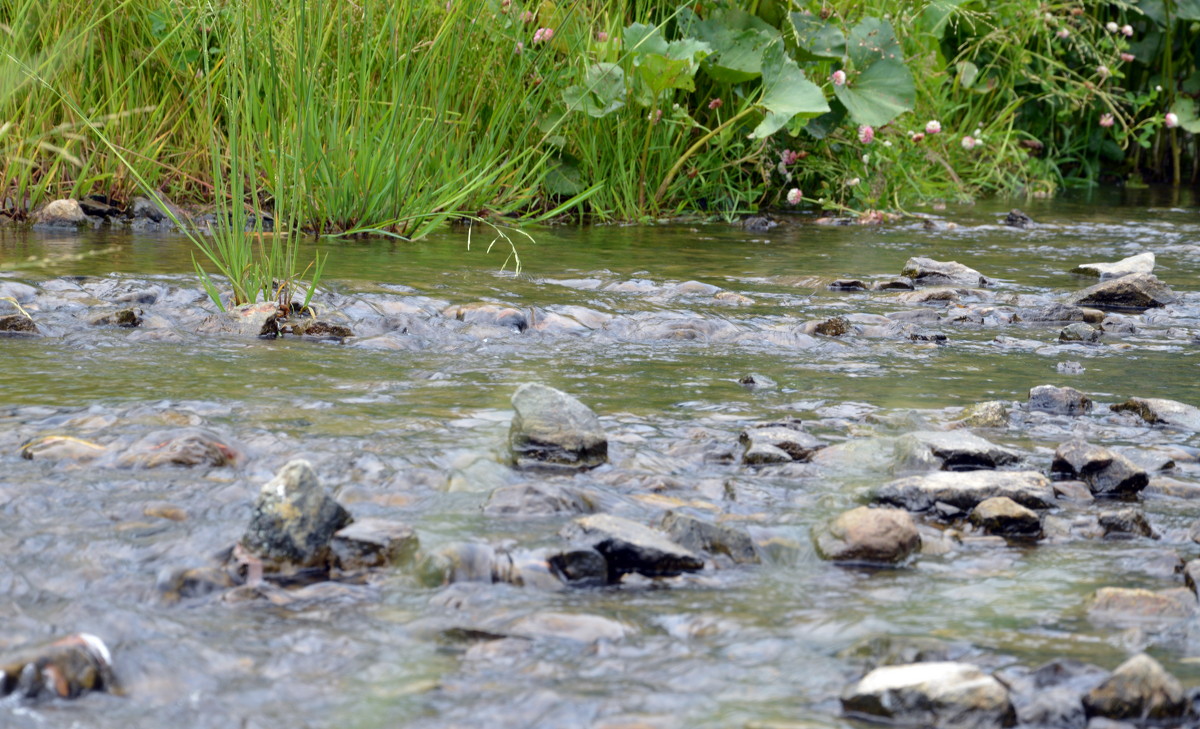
(892, 650)
(538, 499)
(967, 489)
(1051, 695)
(631, 547)
(1162, 412)
(1105, 472)
(902, 283)
(126, 318)
(553, 429)
(866, 535)
(764, 454)
(551, 569)
(1070, 367)
(1125, 607)
(21, 293)
(954, 450)
(944, 695)
(1004, 517)
(294, 520)
(248, 320)
(1125, 524)
(1141, 263)
(1136, 291)
(1051, 313)
(1191, 576)
(1139, 689)
(1059, 400)
(490, 314)
(699, 535)
(373, 543)
(161, 212)
(1079, 332)
(796, 443)
(1018, 219)
(928, 272)
(60, 214)
(462, 562)
(989, 414)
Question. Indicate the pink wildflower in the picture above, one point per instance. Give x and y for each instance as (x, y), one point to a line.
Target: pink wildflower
(655, 116)
(1128, 57)
(933, 126)
(602, 36)
(541, 35)
(1102, 72)
(788, 157)
(838, 78)
(715, 104)
(794, 196)
(1106, 120)
(519, 49)
(866, 134)
(527, 17)
(1063, 33)
(918, 136)
(1171, 120)
(1127, 31)
(969, 142)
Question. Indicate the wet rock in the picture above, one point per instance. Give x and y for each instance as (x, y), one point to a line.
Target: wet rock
(1105, 472)
(373, 543)
(127, 318)
(944, 695)
(17, 291)
(1191, 576)
(1139, 689)
(1004, 517)
(755, 381)
(98, 206)
(160, 211)
(758, 223)
(1018, 219)
(1051, 695)
(1162, 412)
(965, 490)
(1070, 367)
(459, 562)
(1141, 263)
(893, 650)
(1059, 400)
(1079, 332)
(567, 626)
(183, 583)
(1125, 524)
(1076, 491)
(847, 284)
(954, 450)
(903, 283)
(1126, 607)
(294, 520)
(60, 215)
(62, 448)
(248, 320)
(1052, 313)
(866, 535)
(321, 330)
(989, 414)
(631, 547)
(833, 327)
(1136, 291)
(66, 668)
(764, 442)
(490, 314)
(928, 272)
(186, 447)
(702, 536)
(17, 324)
(553, 429)
(1117, 324)
(538, 499)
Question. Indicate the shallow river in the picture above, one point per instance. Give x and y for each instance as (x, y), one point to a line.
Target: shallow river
(410, 424)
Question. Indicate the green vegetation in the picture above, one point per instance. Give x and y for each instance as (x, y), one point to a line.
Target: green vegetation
(347, 119)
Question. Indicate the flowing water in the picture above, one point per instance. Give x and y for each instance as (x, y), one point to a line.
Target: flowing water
(411, 426)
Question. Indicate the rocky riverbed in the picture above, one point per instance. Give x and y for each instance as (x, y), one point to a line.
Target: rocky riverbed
(949, 483)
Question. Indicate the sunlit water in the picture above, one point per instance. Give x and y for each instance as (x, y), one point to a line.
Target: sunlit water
(418, 435)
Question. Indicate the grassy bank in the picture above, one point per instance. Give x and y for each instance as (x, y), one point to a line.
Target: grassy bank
(343, 118)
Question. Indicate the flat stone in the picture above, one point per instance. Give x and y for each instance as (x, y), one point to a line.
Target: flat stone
(796, 443)
(941, 695)
(553, 429)
(964, 490)
(1141, 263)
(1158, 411)
(1079, 332)
(928, 272)
(953, 450)
(1130, 607)
(373, 543)
(699, 535)
(1139, 689)
(1137, 291)
(764, 454)
(631, 547)
(294, 520)
(866, 535)
(126, 318)
(1059, 400)
(1106, 472)
(1004, 517)
(538, 499)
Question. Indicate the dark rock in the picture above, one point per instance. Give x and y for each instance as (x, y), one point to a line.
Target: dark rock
(66, 668)
(1079, 332)
(294, 520)
(1137, 291)
(698, 535)
(1004, 517)
(578, 567)
(1125, 523)
(758, 223)
(186, 447)
(1017, 219)
(1162, 412)
(631, 547)
(17, 324)
(765, 454)
(127, 318)
(373, 543)
(98, 208)
(1051, 696)
(935, 337)
(60, 215)
(1105, 472)
(1141, 263)
(843, 284)
(1129, 607)
(248, 320)
(184, 583)
(832, 327)
(157, 212)
(321, 330)
(943, 695)
(954, 450)
(756, 381)
(553, 429)
(1139, 689)
(1191, 576)
(1059, 400)
(928, 272)
(903, 283)
(796, 443)
(866, 535)
(964, 490)
(538, 499)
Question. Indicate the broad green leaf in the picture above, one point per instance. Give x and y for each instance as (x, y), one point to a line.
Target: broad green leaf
(602, 93)
(821, 126)
(1185, 109)
(818, 38)
(644, 39)
(873, 40)
(1187, 9)
(879, 94)
(786, 93)
(689, 49)
(659, 73)
(563, 177)
(736, 41)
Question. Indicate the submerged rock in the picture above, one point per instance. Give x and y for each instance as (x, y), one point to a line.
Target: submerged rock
(967, 489)
(631, 547)
(954, 450)
(765, 443)
(928, 272)
(248, 320)
(944, 695)
(1106, 473)
(538, 499)
(1051, 695)
(66, 668)
(294, 520)
(490, 314)
(866, 535)
(373, 543)
(1158, 411)
(699, 535)
(552, 428)
(1136, 291)
(1141, 263)
(1004, 517)
(127, 318)
(1126, 607)
(1139, 689)
(186, 447)
(1059, 400)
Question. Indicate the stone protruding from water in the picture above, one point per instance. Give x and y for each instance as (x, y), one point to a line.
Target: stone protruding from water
(373, 543)
(866, 535)
(944, 695)
(1157, 411)
(294, 520)
(1136, 291)
(1059, 400)
(1018, 219)
(967, 489)
(631, 547)
(1139, 689)
(1004, 517)
(59, 215)
(553, 429)
(1126, 607)
(778, 443)
(1141, 263)
(699, 535)
(954, 450)
(928, 272)
(66, 668)
(248, 320)
(1106, 472)
(17, 324)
